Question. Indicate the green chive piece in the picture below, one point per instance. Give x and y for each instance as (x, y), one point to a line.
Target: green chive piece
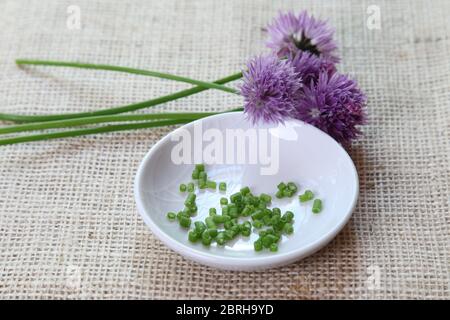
(192, 210)
(268, 239)
(220, 239)
(185, 222)
(225, 210)
(190, 187)
(199, 227)
(211, 184)
(281, 186)
(193, 236)
(201, 184)
(223, 201)
(182, 187)
(265, 197)
(247, 211)
(258, 224)
(213, 232)
(273, 247)
(195, 174)
(200, 167)
(306, 196)
(210, 223)
(229, 234)
(246, 232)
(288, 216)
(190, 200)
(317, 206)
(276, 211)
(206, 238)
(245, 190)
(258, 246)
(212, 212)
(292, 186)
(257, 215)
(279, 194)
(222, 186)
(171, 216)
(236, 197)
(220, 219)
(288, 228)
(202, 176)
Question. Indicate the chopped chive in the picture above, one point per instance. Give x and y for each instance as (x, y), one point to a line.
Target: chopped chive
(279, 194)
(190, 200)
(193, 236)
(212, 211)
(220, 219)
(236, 197)
(206, 238)
(185, 222)
(287, 193)
(257, 215)
(276, 211)
(317, 206)
(201, 184)
(182, 187)
(257, 245)
(222, 186)
(273, 247)
(247, 211)
(246, 232)
(202, 176)
(288, 216)
(190, 187)
(195, 174)
(292, 186)
(223, 201)
(306, 196)
(288, 228)
(281, 186)
(245, 190)
(213, 232)
(265, 197)
(225, 210)
(220, 239)
(211, 184)
(210, 222)
(171, 216)
(199, 227)
(200, 167)
(258, 224)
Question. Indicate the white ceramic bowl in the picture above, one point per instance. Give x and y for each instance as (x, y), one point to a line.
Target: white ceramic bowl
(307, 156)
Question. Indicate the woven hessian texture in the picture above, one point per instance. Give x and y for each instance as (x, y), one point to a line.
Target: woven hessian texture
(69, 228)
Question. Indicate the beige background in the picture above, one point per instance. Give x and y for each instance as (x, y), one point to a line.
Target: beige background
(68, 223)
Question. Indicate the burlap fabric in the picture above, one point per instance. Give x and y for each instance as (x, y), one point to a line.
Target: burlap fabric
(68, 222)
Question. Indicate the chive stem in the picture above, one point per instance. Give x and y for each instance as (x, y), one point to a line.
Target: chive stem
(156, 74)
(115, 110)
(101, 119)
(90, 131)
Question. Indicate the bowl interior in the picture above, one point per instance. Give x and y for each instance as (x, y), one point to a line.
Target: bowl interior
(307, 157)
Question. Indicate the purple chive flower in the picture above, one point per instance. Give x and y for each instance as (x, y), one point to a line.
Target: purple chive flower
(309, 66)
(271, 89)
(290, 33)
(335, 105)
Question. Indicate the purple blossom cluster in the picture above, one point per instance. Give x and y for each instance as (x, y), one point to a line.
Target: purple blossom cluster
(298, 79)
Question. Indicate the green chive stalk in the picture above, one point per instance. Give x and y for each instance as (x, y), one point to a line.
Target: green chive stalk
(81, 65)
(116, 110)
(90, 131)
(169, 119)
(102, 119)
